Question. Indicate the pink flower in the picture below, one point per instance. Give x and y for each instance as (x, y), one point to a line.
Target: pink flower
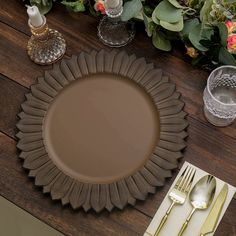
(99, 6)
(232, 43)
(231, 26)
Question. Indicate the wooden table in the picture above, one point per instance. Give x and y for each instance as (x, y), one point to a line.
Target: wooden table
(210, 148)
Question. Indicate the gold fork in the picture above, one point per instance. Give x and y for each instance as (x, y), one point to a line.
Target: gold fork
(178, 193)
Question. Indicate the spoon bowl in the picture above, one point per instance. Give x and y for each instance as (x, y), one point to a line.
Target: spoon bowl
(203, 192)
(201, 197)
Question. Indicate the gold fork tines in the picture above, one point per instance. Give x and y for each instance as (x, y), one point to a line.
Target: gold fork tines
(178, 193)
(187, 180)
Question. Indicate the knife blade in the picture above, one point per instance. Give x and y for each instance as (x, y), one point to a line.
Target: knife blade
(211, 221)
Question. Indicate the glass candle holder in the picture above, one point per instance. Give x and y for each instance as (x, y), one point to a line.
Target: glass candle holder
(220, 96)
(46, 45)
(112, 31)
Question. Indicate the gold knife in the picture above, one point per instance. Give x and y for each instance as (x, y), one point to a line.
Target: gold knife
(213, 217)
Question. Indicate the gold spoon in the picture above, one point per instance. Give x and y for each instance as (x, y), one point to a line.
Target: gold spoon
(201, 197)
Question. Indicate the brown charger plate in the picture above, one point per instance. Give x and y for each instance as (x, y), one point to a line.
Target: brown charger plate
(101, 130)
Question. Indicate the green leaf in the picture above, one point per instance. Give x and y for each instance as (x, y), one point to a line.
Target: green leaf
(43, 6)
(167, 12)
(229, 1)
(223, 31)
(171, 35)
(151, 29)
(175, 3)
(160, 42)
(154, 16)
(188, 25)
(205, 11)
(139, 16)
(213, 54)
(195, 37)
(149, 25)
(77, 6)
(131, 9)
(207, 33)
(196, 4)
(226, 58)
(176, 27)
(93, 12)
(148, 10)
(197, 60)
(206, 43)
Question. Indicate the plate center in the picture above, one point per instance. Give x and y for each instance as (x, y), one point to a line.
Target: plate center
(101, 128)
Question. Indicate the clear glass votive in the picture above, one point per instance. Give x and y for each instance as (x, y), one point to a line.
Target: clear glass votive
(220, 96)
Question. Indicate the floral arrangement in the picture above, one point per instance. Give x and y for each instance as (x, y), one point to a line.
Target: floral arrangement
(207, 28)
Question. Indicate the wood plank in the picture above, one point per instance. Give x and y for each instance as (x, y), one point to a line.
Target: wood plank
(13, 10)
(11, 96)
(225, 229)
(15, 63)
(18, 188)
(80, 31)
(211, 150)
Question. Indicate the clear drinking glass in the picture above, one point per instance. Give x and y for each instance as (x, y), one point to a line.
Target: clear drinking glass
(220, 96)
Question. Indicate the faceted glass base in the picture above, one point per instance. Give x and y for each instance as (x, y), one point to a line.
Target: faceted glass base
(115, 33)
(47, 51)
(217, 121)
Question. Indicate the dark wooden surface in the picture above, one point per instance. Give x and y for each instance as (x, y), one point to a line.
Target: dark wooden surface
(210, 148)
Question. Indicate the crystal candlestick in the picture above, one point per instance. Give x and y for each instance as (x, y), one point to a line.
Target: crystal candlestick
(46, 45)
(112, 31)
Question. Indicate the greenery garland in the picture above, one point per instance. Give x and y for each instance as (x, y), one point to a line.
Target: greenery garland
(207, 28)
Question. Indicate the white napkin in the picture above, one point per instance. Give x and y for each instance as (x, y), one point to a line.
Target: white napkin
(14, 221)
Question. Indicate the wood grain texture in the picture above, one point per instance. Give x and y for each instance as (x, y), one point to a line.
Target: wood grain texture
(8, 106)
(210, 148)
(80, 32)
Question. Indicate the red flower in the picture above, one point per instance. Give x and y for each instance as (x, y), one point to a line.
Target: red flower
(99, 6)
(232, 43)
(231, 26)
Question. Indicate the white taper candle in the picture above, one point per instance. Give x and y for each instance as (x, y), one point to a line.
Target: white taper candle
(35, 17)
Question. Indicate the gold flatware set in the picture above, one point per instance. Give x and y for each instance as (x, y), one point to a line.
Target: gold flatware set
(200, 196)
